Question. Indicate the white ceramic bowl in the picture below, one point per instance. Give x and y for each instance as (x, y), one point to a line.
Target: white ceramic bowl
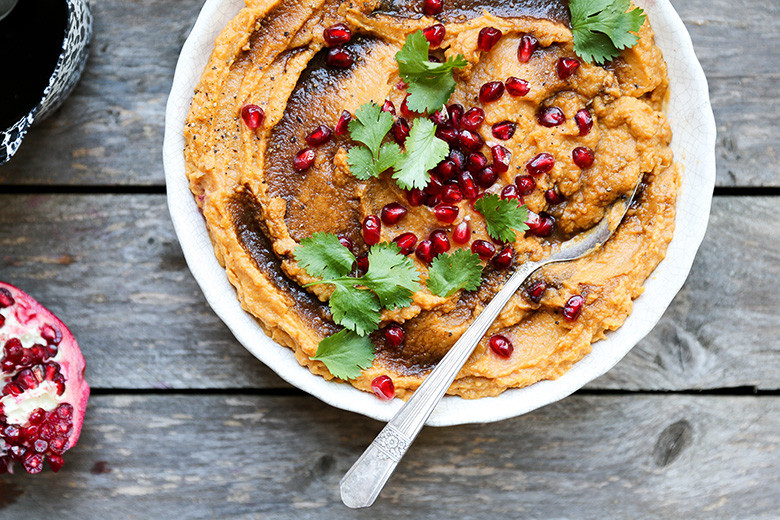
(693, 124)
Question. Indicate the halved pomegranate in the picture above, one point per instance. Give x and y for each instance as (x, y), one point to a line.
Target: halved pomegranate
(44, 394)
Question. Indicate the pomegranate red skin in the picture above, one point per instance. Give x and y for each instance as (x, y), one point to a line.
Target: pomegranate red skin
(39, 438)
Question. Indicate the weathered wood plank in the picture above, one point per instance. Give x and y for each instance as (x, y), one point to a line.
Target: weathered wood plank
(110, 131)
(111, 267)
(249, 457)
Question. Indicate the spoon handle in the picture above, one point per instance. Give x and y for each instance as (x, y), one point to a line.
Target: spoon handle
(365, 479)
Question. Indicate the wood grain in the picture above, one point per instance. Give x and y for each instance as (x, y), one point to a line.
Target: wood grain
(111, 267)
(261, 457)
(110, 131)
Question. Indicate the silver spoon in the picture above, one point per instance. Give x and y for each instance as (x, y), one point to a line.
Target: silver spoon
(364, 481)
(6, 6)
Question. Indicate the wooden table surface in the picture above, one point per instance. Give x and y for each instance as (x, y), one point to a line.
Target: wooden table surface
(184, 423)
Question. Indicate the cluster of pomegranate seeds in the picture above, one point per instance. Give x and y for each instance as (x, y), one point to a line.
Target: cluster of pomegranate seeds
(337, 34)
(540, 225)
(446, 213)
(491, 91)
(483, 248)
(383, 387)
(392, 213)
(501, 346)
(536, 291)
(304, 160)
(434, 34)
(551, 116)
(573, 307)
(565, 67)
(342, 126)
(528, 45)
(553, 197)
(394, 334)
(517, 87)
(583, 157)
(584, 121)
(488, 37)
(406, 241)
(372, 230)
(504, 130)
(319, 136)
(47, 437)
(525, 184)
(541, 163)
(462, 233)
(432, 7)
(503, 260)
(253, 116)
(339, 57)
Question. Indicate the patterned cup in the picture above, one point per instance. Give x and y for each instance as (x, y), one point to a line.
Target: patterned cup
(67, 72)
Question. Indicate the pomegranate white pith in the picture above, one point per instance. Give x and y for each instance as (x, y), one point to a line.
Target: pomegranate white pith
(44, 395)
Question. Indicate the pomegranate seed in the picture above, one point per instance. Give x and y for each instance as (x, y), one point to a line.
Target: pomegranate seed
(573, 307)
(372, 229)
(503, 260)
(483, 248)
(491, 91)
(501, 346)
(566, 67)
(488, 37)
(383, 386)
(56, 462)
(551, 116)
(455, 112)
(469, 140)
(434, 187)
(440, 117)
(406, 241)
(582, 157)
(542, 163)
(540, 225)
(33, 463)
(525, 184)
(343, 123)
(392, 213)
(447, 133)
(405, 111)
(476, 161)
(337, 34)
(6, 299)
(362, 263)
(504, 130)
(415, 197)
(12, 434)
(320, 135)
(388, 107)
(553, 197)
(473, 119)
(462, 232)
(446, 213)
(517, 87)
(502, 158)
(526, 48)
(446, 170)
(487, 177)
(394, 334)
(424, 251)
(344, 241)
(434, 34)
(339, 57)
(303, 160)
(37, 416)
(400, 130)
(467, 186)
(510, 192)
(451, 194)
(432, 7)
(432, 199)
(536, 291)
(253, 116)
(458, 157)
(584, 121)
(440, 242)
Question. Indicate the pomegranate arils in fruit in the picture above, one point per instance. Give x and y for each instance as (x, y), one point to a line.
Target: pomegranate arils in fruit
(476, 161)
(304, 160)
(573, 307)
(483, 248)
(372, 230)
(434, 34)
(486, 177)
(536, 291)
(394, 334)
(525, 184)
(540, 225)
(446, 213)
(583, 157)
(488, 37)
(551, 116)
(504, 130)
(392, 213)
(565, 67)
(503, 259)
(400, 130)
(337, 34)
(406, 241)
(501, 346)
(473, 119)
(440, 242)
(471, 141)
(517, 87)
(528, 45)
(253, 116)
(432, 7)
(343, 123)
(584, 121)
(383, 387)
(462, 232)
(451, 194)
(319, 136)
(339, 57)
(541, 163)
(491, 91)
(502, 158)
(41, 382)
(424, 251)
(388, 107)
(553, 197)
(467, 185)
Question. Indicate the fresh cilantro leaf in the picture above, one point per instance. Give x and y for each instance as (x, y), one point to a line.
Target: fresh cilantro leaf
(323, 256)
(423, 151)
(503, 217)
(362, 164)
(430, 84)
(345, 354)
(601, 28)
(391, 275)
(450, 272)
(369, 126)
(353, 308)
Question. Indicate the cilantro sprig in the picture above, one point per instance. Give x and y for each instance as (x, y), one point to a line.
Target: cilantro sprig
(423, 151)
(502, 216)
(602, 28)
(430, 84)
(345, 354)
(450, 272)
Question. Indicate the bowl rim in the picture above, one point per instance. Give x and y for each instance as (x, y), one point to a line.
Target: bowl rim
(696, 191)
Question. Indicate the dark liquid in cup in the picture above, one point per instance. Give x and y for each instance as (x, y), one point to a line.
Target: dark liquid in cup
(31, 40)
